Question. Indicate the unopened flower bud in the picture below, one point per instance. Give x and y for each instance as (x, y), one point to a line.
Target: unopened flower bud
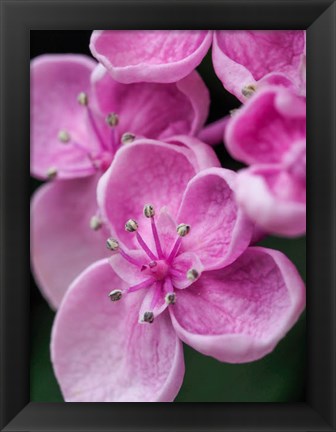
(127, 138)
(183, 230)
(115, 295)
(131, 225)
(112, 119)
(148, 317)
(149, 211)
(192, 274)
(112, 244)
(83, 99)
(63, 136)
(170, 298)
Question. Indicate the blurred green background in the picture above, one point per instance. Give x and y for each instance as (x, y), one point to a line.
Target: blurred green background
(278, 377)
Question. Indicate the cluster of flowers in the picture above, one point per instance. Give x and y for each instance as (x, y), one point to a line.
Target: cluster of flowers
(121, 140)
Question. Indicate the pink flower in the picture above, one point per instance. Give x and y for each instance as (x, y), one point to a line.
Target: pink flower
(79, 119)
(269, 133)
(181, 270)
(243, 59)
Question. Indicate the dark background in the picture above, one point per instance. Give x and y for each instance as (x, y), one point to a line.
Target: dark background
(279, 377)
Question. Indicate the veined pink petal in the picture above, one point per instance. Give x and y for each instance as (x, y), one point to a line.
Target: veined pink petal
(243, 57)
(219, 232)
(201, 155)
(239, 313)
(62, 242)
(56, 81)
(145, 172)
(273, 199)
(101, 354)
(154, 301)
(183, 263)
(150, 55)
(128, 272)
(153, 110)
(266, 127)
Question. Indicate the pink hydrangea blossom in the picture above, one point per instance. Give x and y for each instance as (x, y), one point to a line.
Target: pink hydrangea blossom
(80, 117)
(269, 133)
(243, 59)
(180, 270)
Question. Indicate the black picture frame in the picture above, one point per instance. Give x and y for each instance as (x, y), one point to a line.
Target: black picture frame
(18, 17)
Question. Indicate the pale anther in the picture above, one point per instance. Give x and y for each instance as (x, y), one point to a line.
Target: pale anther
(127, 138)
(63, 136)
(233, 111)
(51, 173)
(183, 230)
(83, 99)
(148, 317)
(115, 295)
(95, 223)
(170, 298)
(249, 90)
(192, 274)
(131, 225)
(149, 211)
(112, 244)
(112, 119)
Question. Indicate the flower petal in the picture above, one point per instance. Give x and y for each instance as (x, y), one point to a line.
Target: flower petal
(56, 81)
(201, 155)
(239, 313)
(273, 199)
(266, 127)
(243, 57)
(62, 242)
(157, 175)
(153, 110)
(220, 232)
(150, 55)
(128, 272)
(101, 354)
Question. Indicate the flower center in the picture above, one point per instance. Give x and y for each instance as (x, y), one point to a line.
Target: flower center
(100, 159)
(158, 271)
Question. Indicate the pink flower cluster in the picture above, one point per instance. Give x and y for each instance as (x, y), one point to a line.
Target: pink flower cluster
(142, 240)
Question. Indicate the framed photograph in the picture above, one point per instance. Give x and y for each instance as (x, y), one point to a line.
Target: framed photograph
(165, 162)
